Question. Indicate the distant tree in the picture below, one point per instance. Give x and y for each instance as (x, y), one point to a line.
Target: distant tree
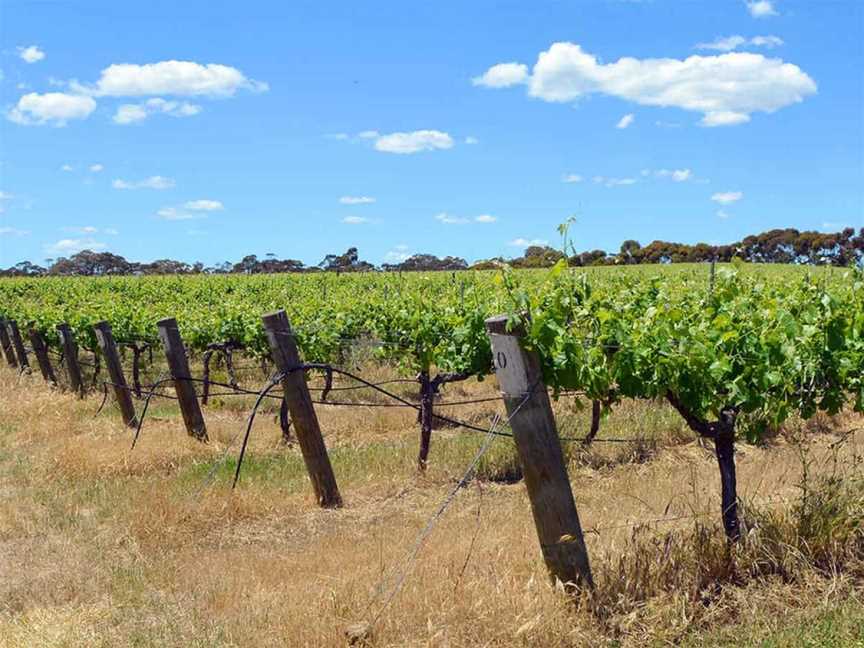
(427, 262)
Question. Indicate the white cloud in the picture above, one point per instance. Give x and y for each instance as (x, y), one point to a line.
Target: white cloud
(369, 134)
(153, 182)
(398, 255)
(183, 78)
(724, 118)
(96, 168)
(204, 205)
(110, 231)
(613, 182)
(67, 167)
(723, 214)
(486, 218)
(727, 197)
(572, 178)
(175, 214)
(31, 54)
(355, 220)
(54, 108)
(761, 8)
(471, 140)
(356, 200)
(191, 210)
(413, 142)
(131, 113)
(676, 175)
(337, 136)
(625, 121)
(12, 231)
(87, 229)
(72, 246)
(729, 43)
(725, 88)
(502, 75)
(447, 219)
(524, 243)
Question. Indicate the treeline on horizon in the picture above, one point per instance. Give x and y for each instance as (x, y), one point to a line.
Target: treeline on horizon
(845, 248)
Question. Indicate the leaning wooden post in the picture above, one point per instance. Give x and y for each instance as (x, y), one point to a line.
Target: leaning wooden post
(539, 448)
(70, 358)
(178, 364)
(6, 343)
(40, 350)
(296, 393)
(18, 345)
(115, 372)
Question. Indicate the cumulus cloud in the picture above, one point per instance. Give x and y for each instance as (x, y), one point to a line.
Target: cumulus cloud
(73, 246)
(486, 218)
(761, 8)
(398, 254)
(67, 167)
(471, 140)
(51, 108)
(369, 134)
(191, 210)
(572, 178)
(131, 113)
(96, 168)
(722, 214)
(502, 75)
(613, 182)
(447, 219)
(356, 200)
(725, 88)
(355, 220)
(524, 242)
(153, 182)
(204, 205)
(413, 142)
(31, 54)
(676, 175)
(729, 43)
(625, 121)
(727, 197)
(180, 78)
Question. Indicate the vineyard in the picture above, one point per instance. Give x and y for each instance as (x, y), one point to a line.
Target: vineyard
(734, 355)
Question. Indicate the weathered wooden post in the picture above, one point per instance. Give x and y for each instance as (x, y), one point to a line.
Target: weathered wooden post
(539, 448)
(178, 364)
(70, 358)
(40, 350)
(18, 345)
(115, 372)
(296, 393)
(6, 343)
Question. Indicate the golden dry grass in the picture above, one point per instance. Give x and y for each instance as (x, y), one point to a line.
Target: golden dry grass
(100, 546)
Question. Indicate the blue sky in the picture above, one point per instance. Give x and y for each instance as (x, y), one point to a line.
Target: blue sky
(208, 131)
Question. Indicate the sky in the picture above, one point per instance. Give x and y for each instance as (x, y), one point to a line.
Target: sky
(206, 131)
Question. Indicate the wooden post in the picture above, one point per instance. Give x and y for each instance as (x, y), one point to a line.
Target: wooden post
(296, 393)
(539, 448)
(115, 372)
(18, 345)
(70, 358)
(6, 343)
(41, 353)
(178, 364)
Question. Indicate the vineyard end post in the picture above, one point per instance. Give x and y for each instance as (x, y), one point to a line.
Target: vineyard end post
(539, 448)
(6, 344)
(40, 350)
(296, 393)
(70, 358)
(115, 372)
(18, 345)
(178, 365)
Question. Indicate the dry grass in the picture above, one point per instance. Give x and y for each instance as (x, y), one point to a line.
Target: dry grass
(100, 546)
